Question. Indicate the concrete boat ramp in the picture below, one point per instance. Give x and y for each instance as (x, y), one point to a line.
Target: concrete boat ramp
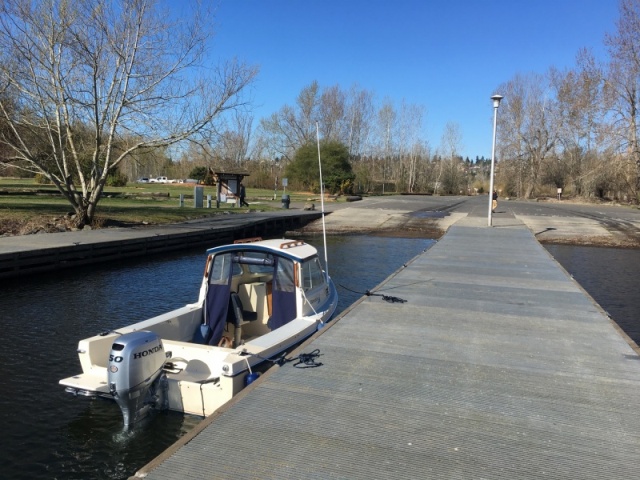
(497, 366)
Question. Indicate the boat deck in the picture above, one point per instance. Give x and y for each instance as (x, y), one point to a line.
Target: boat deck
(498, 366)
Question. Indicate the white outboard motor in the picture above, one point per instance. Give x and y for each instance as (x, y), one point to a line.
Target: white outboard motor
(135, 370)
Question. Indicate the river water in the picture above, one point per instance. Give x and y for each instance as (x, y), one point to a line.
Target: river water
(610, 276)
(47, 434)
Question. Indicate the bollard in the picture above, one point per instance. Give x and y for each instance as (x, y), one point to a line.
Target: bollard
(198, 195)
(208, 201)
(181, 200)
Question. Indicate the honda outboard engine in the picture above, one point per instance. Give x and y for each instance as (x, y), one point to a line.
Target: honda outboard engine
(135, 370)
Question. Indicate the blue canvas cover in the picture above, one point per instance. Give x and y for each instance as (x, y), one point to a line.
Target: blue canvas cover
(217, 300)
(284, 294)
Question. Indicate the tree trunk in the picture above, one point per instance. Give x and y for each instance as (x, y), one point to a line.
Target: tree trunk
(635, 153)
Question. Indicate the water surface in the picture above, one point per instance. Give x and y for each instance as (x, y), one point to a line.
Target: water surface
(611, 276)
(48, 434)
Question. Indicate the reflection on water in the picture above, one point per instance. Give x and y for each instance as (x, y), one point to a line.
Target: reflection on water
(610, 276)
(49, 434)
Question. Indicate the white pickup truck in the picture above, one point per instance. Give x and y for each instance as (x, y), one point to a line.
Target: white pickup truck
(159, 180)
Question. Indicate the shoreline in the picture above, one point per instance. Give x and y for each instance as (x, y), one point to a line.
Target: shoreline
(547, 230)
(584, 225)
(592, 242)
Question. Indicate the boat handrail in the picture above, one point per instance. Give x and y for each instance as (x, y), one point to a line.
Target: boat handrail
(248, 240)
(291, 244)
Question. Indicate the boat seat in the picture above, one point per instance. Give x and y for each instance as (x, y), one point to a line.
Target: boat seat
(236, 314)
(238, 317)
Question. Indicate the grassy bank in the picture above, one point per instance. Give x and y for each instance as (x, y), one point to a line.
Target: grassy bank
(26, 207)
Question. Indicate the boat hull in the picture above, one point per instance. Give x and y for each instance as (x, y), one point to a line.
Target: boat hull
(201, 374)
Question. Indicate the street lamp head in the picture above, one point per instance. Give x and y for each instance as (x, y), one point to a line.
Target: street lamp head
(496, 100)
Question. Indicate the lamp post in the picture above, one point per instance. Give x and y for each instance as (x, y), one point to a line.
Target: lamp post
(496, 103)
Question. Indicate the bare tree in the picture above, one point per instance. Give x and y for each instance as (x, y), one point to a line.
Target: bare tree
(526, 125)
(233, 143)
(150, 162)
(623, 85)
(332, 114)
(387, 137)
(579, 103)
(94, 82)
(384, 143)
(410, 143)
(450, 173)
(423, 177)
(360, 115)
(292, 127)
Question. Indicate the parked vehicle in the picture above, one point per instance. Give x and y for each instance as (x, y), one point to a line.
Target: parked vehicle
(142, 180)
(159, 180)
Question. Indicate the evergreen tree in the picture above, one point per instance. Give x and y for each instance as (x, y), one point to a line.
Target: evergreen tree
(337, 173)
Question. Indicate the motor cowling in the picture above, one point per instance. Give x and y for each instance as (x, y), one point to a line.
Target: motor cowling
(135, 366)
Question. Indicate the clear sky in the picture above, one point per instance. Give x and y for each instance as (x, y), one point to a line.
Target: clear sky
(448, 55)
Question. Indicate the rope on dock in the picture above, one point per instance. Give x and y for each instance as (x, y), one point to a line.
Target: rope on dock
(369, 293)
(304, 360)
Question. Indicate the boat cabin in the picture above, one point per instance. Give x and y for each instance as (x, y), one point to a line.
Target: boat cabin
(250, 290)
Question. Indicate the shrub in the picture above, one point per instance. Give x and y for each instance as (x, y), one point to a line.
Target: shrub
(117, 179)
(40, 179)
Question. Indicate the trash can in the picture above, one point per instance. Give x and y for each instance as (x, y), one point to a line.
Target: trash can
(286, 201)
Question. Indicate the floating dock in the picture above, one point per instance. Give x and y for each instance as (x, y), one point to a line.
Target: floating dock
(498, 365)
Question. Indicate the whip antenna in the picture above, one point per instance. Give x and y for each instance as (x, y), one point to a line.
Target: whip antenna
(324, 229)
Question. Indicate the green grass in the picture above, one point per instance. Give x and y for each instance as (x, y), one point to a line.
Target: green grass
(120, 204)
(155, 210)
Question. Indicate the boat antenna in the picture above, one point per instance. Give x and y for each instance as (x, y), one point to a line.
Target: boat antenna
(324, 229)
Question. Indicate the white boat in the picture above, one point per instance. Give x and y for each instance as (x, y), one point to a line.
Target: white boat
(257, 299)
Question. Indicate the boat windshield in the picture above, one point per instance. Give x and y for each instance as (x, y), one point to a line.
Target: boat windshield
(312, 274)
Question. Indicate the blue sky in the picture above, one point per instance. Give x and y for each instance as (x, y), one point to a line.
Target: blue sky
(448, 55)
